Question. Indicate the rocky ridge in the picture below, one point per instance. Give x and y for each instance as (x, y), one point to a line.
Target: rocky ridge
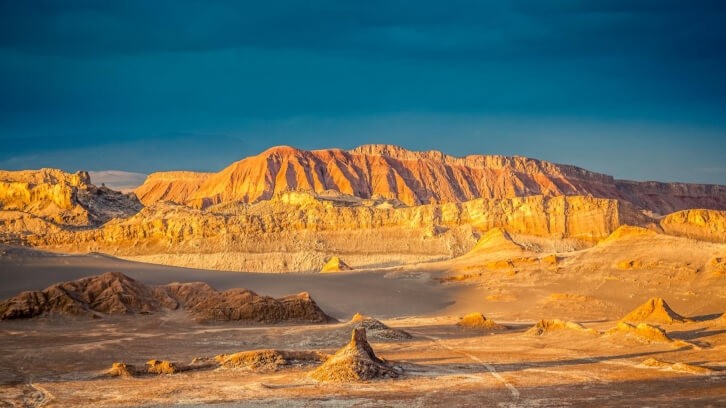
(363, 205)
(416, 178)
(116, 294)
(297, 232)
(39, 200)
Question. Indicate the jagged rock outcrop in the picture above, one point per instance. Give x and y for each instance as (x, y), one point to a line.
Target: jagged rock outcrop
(355, 362)
(416, 178)
(115, 293)
(60, 198)
(705, 225)
(655, 310)
(110, 293)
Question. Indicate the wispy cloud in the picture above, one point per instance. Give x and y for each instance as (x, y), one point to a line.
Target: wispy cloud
(712, 170)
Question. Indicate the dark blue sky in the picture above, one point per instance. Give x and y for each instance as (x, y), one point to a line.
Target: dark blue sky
(631, 88)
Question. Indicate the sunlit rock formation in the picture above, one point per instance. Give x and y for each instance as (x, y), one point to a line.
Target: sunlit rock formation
(414, 178)
(31, 199)
(707, 225)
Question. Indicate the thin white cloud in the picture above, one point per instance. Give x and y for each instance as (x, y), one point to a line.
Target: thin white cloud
(123, 181)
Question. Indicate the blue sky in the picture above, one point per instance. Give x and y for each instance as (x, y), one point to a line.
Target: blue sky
(633, 89)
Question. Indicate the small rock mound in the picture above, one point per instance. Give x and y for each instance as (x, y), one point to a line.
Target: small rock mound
(627, 232)
(161, 367)
(120, 369)
(268, 359)
(376, 328)
(477, 320)
(544, 327)
(680, 367)
(335, 264)
(355, 362)
(495, 240)
(655, 310)
(643, 333)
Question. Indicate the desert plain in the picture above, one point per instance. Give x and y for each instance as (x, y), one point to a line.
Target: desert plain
(479, 281)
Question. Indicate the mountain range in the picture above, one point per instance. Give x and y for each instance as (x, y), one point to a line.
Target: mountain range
(413, 178)
(375, 206)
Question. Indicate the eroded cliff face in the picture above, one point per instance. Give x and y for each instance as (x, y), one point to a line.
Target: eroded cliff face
(298, 231)
(416, 178)
(706, 225)
(174, 186)
(31, 198)
(374, 206)
(665, 198)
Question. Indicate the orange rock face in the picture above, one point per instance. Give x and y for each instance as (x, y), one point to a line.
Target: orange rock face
(414, 178)
(172, 186)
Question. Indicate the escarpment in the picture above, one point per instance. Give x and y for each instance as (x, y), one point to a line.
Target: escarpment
(414, 178)
(374, 206)
(301, 231)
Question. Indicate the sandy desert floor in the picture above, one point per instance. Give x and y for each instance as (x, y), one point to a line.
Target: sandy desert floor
(60, 362)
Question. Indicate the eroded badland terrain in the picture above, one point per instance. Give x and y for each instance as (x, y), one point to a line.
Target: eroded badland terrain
(376, 276)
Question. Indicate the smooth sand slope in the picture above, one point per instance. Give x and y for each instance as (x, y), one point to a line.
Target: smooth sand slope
(340, 294)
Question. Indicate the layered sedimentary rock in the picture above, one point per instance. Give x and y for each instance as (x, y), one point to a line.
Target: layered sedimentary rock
(296, 231)
(373, 206)
(706, 225)
(60, 198)
(114, 293)
(416, 178)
